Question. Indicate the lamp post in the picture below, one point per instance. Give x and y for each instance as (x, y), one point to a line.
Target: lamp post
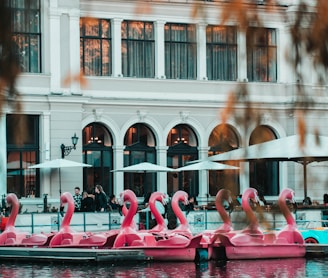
(65, 150)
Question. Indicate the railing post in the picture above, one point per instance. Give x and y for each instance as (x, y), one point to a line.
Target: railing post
(45, 203)
(84, 222)
(32, 222)
(109, 221)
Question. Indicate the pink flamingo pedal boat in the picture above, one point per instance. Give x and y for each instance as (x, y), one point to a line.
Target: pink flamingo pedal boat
(11, 236)
(66, 237)
(159, 243)
(252, 243)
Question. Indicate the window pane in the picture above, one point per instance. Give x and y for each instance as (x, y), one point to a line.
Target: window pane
(95, 48)
(261, 55)
(221, 53)
(138, 49)
(20, 179)
(27, 33)
(180, 51)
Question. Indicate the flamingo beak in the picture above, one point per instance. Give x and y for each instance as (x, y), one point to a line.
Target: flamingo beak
(165, 200)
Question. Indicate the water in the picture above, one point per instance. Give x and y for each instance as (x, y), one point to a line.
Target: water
(282, 268)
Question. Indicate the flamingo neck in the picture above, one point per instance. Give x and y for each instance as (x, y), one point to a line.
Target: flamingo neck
(178, 212)
(69, 212)
(14, 211)
(221, 210)
(158, 217)
(128, 219)
(286, 212)
(253, 223)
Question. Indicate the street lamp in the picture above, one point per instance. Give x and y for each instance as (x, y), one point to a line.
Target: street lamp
(65, 150)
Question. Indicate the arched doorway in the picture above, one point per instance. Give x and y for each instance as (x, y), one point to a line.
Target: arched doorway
(140, 147)
(98, 151)
(223, 138)
(264, 174)
(182, 142)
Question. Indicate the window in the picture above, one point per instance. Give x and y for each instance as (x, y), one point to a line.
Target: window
(223, 138)
(263, 173)
(180, 51)
(262, 55)
(21, 180)
(221, 52)
(140, 147)
(97, 151)
(138, 49)
(95, 46)
(27, 33)
(183, 147)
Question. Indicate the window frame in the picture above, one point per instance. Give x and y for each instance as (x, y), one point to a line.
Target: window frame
(100, 68)
(137, 60)
(175, 46)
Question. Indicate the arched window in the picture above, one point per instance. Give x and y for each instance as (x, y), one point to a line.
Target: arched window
(97, 151)
(140, 147)
(264, 174)
(182, 142)
(21, 180)
(223, 139)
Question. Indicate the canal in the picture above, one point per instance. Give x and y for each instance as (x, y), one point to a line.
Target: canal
(280, 268)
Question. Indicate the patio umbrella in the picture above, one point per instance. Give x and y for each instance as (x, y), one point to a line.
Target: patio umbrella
(58, 164)
(208, 166)
(315, 148)
(144, 167)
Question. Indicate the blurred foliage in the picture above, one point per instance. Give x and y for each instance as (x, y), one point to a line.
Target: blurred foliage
(9, 71)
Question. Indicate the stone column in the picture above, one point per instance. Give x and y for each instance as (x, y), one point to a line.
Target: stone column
(3, 155)
(159, 50)
(201, 51)
(74, 51)
(54, 31)
(116, 47)
(162, 176)
(203, 176)
(45, 153)
(118, 163)
(242, 57)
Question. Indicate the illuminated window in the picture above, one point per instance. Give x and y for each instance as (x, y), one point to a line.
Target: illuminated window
(221, 53)
(26, 27)
(262, 55)
(180, 51)
(138, 49)
(21, 180)
(95, 46)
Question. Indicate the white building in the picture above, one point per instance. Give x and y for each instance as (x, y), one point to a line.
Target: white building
(154, 87)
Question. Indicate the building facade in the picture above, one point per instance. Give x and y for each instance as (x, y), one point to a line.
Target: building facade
(149, 81)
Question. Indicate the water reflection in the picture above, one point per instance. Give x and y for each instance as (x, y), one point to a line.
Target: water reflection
(299, 267)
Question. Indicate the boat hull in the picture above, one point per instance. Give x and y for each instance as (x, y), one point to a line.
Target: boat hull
(264, 252)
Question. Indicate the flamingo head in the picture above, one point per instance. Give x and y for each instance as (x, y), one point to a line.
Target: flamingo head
(250, 194)
(224, 196)
(180, 196)
(126, 195)
(158, 196)
(288, 194)
(11, 198)
(65, 198)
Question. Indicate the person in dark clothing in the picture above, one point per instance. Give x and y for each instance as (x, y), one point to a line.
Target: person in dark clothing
(113, 203)
(87, 203)
(100, 199)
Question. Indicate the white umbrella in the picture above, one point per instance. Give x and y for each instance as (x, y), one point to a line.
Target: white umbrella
(58, 164)
(315, 148)
(207, 165)
(145, 167)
